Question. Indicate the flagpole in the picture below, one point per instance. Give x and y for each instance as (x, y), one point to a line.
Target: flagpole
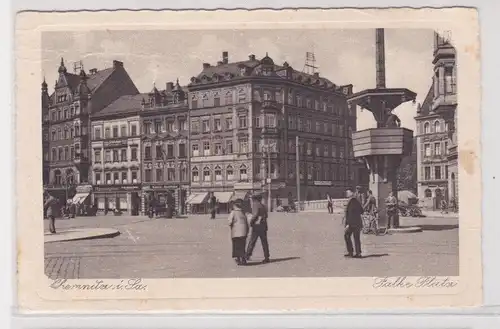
(297, 169)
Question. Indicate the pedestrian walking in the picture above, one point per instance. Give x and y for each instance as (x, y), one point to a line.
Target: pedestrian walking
(370, 205)
(258, 223)
(353, 224)
(392, 210)
(53, 209)
(213, 206)
(444, 207)
(329, 204)
(238, 223)
(360, 195)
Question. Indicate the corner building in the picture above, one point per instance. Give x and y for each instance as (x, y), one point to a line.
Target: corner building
(66, 125)
(437, 131)
(244, 120)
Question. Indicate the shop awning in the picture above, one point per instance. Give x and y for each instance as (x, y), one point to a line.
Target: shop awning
(80, 197)
(240, 195)
(223, 197)
(197, 198)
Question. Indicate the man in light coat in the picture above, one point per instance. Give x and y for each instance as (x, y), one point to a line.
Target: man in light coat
(238, 223)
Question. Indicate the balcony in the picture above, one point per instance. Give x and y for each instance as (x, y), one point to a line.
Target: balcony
(270, 104)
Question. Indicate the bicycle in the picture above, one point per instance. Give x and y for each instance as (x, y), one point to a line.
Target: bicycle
(370, 224)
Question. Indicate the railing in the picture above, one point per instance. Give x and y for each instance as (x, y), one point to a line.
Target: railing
(321, 205)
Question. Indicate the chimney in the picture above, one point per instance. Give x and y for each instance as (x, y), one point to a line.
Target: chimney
(219, 63)
(251, 57)
(93, 71)
(117, 64)
(225, 57)
(206, 65)
(170, 86)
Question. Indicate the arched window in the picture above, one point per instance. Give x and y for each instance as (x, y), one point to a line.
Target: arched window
(60, 153)
(54, 154)
(243, 172)
(59, 134)
(437, 126)
(195, 175)
(428, 193)
(427, 128)
(218, 173)
(438, 193)
(66, 153)
(57, 177)
(206, 174)
(71, 133)
(77, 131)
(229, 173)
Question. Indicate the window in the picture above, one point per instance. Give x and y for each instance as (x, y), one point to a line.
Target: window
(195, 177)
(123, 155)
(195, 150)
(159, 175)
(427, 150)
(217, 125)
(450, 83)
(218, 149)
(107, 133)
(206, 174)
(318, 150)
(427, 173)
(437, 126)
(54, 135)
(54, 154)
(123, 131)
(170, 151)
(133, 154)
(115, 131)
(206, 125)
(437, 148)
(341, 152)
(229, 147)
(183, 174)
(218, 173)
(216, 101)
(194, 103)
(309, 148)
(318, 127)
(256, 122)
(334, 129)
(147, 175)
(171, 174)
(147, 127)
(243, 172)
(243, 145)
(59, 153)
(183, 124)
(437, 172)
(97, 156)
(59, 134)
(147, 152)
(270, 120)
(310, 172)
(124, 177)
(115, 156)
(97, 133)
(182, 150)
(325, 150)
(108, 178)
(116, 178)
(66, 153)
(195, 126)
(158, 127)
(108, 156)
(229, 99)
(446, 126)
(170, 126)
(206, 148)
(427, 128)
(446, 172)
(133, 129)
(229, 123)
(229, 173)
(98, 178)
(242, 121)
(158, 152)
(134, 177)
(71, 132)
(66, 133)
(445, 148)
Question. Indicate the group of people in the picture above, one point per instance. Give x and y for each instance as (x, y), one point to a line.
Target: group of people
(241, 226)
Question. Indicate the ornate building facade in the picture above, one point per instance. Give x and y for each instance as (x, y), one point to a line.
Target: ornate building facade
(165, 153)
(116, 156)
(245, 118)
(66, 124)
(436, 129)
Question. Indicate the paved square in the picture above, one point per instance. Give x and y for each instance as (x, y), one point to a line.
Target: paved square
(305, 244)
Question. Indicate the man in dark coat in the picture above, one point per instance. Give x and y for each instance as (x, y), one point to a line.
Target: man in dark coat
(53, 210)
(353, 225)
(258, 222)
(213, 206)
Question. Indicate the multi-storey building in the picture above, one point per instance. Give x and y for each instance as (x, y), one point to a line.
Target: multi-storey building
(165, 140)
(66, 126)
(116, 156)
(436, 130)
(245, 118)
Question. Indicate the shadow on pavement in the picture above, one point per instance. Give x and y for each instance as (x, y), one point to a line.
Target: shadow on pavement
(443, 227)
(374, 255)
(273, 260)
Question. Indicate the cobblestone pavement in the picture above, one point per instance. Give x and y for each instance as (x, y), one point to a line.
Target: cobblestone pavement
(305, 244)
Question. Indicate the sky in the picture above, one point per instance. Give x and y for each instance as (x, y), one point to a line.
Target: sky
(343, 56)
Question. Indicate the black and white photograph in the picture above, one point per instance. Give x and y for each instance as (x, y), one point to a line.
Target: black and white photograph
(228, 153)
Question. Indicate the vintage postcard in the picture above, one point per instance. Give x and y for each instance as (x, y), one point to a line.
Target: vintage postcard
(248, 160)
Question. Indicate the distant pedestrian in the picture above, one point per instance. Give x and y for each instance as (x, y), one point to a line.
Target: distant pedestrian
(258, 223)
(444, 207)
(370, 205)
(53, 208)
(392, 210)
(329, 203)
(360, 195)
(213, 206)
(353, 224)
(238, 223)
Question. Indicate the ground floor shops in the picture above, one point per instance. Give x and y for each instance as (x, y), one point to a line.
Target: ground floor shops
(199, 201)
(162, 197)
(117, 199)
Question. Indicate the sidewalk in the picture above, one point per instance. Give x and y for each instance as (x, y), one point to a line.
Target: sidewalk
(438, 214)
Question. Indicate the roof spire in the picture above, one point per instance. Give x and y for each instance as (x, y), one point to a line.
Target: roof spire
(62, 68)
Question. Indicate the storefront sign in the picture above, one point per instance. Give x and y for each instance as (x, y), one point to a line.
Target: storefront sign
(121, 142)
(84, 189)
(116, 188)
(160, 187)
(322, 183)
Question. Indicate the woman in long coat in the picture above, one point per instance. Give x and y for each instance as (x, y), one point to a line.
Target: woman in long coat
(239, 231)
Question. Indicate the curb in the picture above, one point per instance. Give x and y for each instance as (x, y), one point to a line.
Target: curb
(110, 234)
(412, 229)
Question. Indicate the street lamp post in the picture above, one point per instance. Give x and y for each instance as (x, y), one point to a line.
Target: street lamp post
(267, 148)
